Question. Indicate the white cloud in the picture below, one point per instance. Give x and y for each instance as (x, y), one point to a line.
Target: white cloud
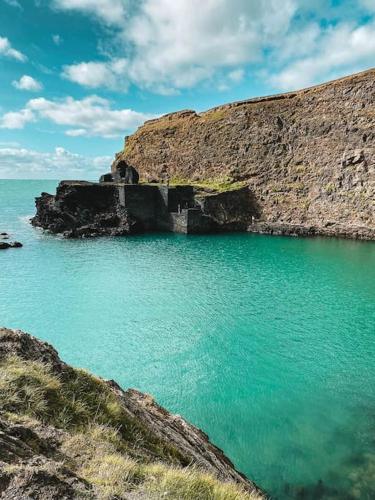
(169, 45)
(27, 82)
(7, 50)
(57, 40)
(98, 74)
(16, 119)
(17, 162)
(368, 4)
(109, 11)
(338, 50)
(91, 116)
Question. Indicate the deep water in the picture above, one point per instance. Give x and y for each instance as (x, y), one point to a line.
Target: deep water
(266, 343)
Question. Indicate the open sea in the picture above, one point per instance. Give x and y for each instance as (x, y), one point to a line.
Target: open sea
(266, 343)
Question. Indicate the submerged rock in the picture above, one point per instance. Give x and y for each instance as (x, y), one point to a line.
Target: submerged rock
(65, 434)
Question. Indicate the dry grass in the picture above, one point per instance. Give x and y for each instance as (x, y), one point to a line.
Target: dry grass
(102, 444)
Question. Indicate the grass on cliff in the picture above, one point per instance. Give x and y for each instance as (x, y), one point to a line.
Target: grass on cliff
(102, 443)
(215, 185)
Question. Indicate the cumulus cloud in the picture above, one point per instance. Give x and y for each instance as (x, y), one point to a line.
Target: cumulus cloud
(338, 50)
(167, 45)
(7, 50)
(17, 162)
(27, 82)
(16, 119)
(110, 74)
(91, 116)
(109, 11)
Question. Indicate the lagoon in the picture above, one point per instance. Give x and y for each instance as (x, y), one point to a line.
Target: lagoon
(266, 343)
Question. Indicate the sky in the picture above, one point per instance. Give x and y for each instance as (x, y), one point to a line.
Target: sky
(77, 76)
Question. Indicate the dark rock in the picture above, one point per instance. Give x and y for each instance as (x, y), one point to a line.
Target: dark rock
(4, 245)
(123, 172)
(106, 178)
(83, 209)
(16, 244)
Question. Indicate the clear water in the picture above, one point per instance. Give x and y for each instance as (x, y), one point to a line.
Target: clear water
(266, 343)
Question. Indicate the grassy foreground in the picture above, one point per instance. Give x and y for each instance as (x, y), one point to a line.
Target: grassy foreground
(98, 440)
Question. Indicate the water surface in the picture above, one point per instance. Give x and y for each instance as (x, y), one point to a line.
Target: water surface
(267, 343)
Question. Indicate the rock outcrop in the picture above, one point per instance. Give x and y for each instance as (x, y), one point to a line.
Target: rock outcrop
(115, 208)
(308, 157)
(65, 434)
(8, 244)
(81, 209)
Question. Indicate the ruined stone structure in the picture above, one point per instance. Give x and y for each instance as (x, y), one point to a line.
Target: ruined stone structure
(82, 208)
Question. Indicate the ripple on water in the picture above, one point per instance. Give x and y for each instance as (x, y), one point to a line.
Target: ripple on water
(266, 343)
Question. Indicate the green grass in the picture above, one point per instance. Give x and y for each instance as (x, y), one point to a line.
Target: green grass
(102, 443)
(215, 185)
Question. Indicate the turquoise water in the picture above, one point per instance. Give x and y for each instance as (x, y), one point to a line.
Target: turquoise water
(266, 343)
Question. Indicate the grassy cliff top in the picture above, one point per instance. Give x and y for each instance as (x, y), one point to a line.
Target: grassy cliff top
(67, 434)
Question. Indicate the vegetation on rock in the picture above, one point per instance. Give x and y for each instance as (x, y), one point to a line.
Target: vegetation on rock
(67, 434)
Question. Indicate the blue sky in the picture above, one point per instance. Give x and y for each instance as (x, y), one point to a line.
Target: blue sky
(79, 75)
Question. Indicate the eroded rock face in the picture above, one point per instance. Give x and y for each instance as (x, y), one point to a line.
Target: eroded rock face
(308, 156)
(82, 209)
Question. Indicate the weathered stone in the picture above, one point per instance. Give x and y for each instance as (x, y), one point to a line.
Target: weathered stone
(307, 156)
(106, 178)
(82, 209)
(123, 172)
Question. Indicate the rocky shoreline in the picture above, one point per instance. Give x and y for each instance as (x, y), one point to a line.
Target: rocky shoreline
(65, 434)
(300, 230)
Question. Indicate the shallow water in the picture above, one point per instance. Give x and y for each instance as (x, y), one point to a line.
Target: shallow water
(266, 343)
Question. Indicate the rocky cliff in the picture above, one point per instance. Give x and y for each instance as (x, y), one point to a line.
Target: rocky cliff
(308, 157)
(65, 434)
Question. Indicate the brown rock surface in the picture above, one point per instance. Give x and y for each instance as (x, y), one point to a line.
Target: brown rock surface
(307, 156)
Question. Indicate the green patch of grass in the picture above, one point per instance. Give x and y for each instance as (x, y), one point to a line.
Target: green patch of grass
(215, 185)
(215, 115)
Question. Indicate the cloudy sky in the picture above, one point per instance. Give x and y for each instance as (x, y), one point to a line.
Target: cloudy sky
(79, 75)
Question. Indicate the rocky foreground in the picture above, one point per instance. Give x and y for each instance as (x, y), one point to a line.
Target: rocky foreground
(65, 434)
(308, 157)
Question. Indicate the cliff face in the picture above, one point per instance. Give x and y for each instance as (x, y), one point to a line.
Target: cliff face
(308, 156)
(65, 434)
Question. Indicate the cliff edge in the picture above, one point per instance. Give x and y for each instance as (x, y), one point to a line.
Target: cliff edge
(65, 434)
(308, 156)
